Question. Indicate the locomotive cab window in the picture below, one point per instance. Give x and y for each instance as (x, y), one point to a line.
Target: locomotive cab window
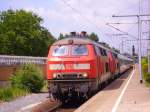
(79, 50)
(60, 51)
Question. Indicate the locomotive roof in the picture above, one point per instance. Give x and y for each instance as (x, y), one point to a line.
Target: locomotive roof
(79, 41)
(75, 41)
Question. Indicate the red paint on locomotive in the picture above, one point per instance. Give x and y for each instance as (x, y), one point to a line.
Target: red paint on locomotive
(69, 60)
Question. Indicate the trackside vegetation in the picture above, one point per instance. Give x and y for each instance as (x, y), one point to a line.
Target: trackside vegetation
(146, 74)
(28, 79)
(9, 93)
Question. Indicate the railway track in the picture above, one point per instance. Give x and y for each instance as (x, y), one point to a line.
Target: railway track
(47, 106)
(68, 107)
(64, 110)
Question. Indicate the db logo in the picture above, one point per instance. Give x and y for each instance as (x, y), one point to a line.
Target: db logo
(69, 66)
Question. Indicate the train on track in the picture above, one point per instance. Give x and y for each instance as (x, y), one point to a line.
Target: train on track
(78, 66)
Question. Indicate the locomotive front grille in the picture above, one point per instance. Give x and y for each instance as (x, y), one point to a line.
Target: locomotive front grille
(69, 76)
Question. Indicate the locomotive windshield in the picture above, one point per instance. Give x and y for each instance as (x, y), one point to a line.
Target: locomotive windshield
(61, 51)
(76, 50)
(79, 50)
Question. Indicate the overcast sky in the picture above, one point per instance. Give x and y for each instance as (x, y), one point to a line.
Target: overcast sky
(64, 16)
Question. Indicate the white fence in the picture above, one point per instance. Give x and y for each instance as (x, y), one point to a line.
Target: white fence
(6, 60)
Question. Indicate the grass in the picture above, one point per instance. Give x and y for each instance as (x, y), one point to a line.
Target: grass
(147, 84)
(10, 93)
(7, 94)
(45, 89)
(146, 74)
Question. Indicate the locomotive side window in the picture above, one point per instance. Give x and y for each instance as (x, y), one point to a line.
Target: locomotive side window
(79, 50)
(118, 66)
(107, 67)
(104, 52)
(101, 50)
(97, 51)
(115, 55)
(60, 51)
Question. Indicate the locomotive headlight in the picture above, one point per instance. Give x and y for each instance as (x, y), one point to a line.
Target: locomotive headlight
(84, 75)
(82, 66)
(54, 75)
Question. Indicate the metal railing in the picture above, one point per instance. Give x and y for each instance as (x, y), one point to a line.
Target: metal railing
(6, 60)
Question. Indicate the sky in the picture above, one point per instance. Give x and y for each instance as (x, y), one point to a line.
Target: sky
(64, 16)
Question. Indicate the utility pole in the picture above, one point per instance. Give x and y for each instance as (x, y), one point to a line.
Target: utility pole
(149, 50)
(139, 35)
(148, 53)
(139, 42)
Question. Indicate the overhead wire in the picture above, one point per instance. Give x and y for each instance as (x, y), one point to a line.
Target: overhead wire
(92, 22)
(85, 18)
(121, 31)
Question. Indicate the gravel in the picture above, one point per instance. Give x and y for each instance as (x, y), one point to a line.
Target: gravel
(23, 104)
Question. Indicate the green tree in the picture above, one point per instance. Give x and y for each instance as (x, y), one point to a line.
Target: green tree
(61, 36)
(93, 37)
(21, 33)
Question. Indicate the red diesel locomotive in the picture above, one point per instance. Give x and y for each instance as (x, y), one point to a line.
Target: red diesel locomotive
(79, 65)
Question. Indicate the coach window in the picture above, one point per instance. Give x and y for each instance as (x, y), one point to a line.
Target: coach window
(116, 56)
(118, 65)
(79, 50)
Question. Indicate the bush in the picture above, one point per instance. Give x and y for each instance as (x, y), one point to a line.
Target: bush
(146, 74)
(145, 68)
(144, 60)
(147, 77)
(7, 94)
(29, 77)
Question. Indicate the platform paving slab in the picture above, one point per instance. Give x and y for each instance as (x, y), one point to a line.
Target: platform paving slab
(136, 97)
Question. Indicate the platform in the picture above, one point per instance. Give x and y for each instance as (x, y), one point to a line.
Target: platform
(125, 94)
